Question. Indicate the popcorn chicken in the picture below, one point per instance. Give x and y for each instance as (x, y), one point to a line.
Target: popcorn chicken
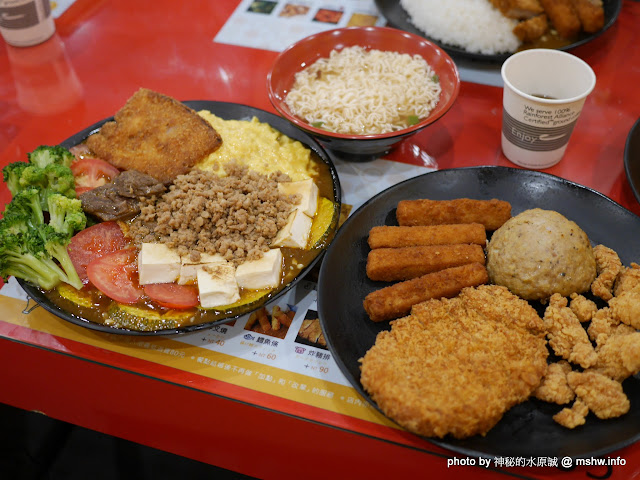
(566, 335)
(608, 266)
(604, 396)
(554, 387)
(582, 307)
(619, 356)
(573, 417)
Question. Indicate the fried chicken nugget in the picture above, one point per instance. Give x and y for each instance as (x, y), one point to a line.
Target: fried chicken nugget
(491, 213)
(554, 387)
(608, 266)
(604, 396)
(619, 356)
(582, 307)
(451, 368)
(628, 279)
(573, 417)
(155, 134)
(566, 335)
(626, 308)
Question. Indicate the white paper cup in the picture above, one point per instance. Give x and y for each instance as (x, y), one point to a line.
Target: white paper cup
(535, 130)
(26, 22)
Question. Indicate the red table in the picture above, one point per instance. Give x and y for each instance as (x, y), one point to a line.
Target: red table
(103, 52)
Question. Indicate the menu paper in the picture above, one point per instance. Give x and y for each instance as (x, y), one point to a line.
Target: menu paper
(276, 24)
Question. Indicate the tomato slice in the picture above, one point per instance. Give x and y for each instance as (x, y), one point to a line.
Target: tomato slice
(116, 275)
(94, 242)
(172, 295)
(92, 172)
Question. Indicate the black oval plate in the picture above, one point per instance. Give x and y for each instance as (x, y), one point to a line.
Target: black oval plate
(227, 111)
(398, 17)
(632, 159)
(527, 430)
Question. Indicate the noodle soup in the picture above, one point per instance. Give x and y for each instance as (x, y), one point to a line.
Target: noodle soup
(365, 92)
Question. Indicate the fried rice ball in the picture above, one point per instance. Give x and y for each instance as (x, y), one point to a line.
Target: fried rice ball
(540, 252)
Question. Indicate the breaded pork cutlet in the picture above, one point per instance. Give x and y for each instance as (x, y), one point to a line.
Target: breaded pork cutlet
(455, 366)
(156, 135)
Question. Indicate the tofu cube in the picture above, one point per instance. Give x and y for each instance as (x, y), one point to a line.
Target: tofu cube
(308, 192)
(189, 268)
(295, 233)
(217, 285)
(262, 273)
(157, 263)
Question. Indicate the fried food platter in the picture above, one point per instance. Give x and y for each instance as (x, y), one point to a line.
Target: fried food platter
(397, 17)
(526, 430)
(632, 159)
(226, 111)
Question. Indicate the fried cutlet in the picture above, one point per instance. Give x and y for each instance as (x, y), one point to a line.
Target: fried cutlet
(156, 135)
(455, 366)
(563, 17)
(532, 29)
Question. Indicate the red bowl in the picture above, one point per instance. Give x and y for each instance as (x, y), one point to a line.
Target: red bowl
(306, 51)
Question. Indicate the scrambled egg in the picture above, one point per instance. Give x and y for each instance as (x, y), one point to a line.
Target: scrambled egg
(259, 146)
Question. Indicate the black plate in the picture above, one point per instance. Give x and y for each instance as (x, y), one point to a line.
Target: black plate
(398, 17)
(227, 111)
(527, 430)
(632, 159)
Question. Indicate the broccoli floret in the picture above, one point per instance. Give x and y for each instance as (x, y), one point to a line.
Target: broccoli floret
(23, 256)
(37, 251)
(12, 173)
(45, 155)
(33, 177)
(65, 214)
(56, 243)
(51, 178)
(59, 179)
(33, 244)
(25, 205)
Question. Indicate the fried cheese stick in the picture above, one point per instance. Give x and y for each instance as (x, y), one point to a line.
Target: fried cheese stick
(394, 237)
(396, 300)
(404, 263)
(491, 213)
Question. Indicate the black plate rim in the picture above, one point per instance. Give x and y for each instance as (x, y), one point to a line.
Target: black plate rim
(405, 24)
(631, 162)
(234, 111)
(447, 444)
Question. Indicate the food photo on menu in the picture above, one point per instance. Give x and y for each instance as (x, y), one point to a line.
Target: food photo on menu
(488, 307)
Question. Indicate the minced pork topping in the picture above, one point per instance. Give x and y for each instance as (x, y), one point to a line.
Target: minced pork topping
(235, 216)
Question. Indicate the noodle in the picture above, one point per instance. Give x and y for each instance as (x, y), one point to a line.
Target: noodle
(364, 92)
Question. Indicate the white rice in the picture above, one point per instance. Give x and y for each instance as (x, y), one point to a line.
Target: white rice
(474, 25)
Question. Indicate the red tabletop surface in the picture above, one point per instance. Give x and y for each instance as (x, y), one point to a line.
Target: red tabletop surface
(104, 51)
